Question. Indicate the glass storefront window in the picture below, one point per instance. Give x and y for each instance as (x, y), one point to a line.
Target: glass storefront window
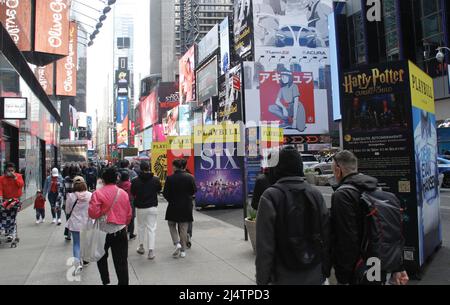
(28, 143)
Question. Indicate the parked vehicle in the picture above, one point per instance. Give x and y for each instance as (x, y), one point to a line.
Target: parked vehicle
(309, 161)
(325, 167)
(444, 169)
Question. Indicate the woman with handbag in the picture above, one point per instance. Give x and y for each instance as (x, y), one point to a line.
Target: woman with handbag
(77, 205)
(111, 206)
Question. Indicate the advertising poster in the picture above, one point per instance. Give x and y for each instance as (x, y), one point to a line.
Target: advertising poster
(66, 68)
(375, 123)
(292, 41)
(225, 55)
(184, 122)
(230, 102)
(219, 177)
(52, 26)
(243, 31)
(207, 84)
(159, 160)
(187, 77)
(158, 133)
(168, 97)
(17, 18)
(122, 122)
(180, 148)
(147, 139)
(148, 110)
(171, 128)
(219, 165)
(426, 154)
(209, 44)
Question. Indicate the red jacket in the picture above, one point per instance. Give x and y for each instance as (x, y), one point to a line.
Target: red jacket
(39, 202)
(102, 201)
(10, 188)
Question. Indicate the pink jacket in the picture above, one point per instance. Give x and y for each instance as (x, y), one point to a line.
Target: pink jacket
(102, 201)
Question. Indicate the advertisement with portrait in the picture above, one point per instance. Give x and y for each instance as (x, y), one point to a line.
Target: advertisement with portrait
(225, 55)
(139, 141)
(148, 110)
(159, 160)
(243, 28)
(292, 38)
(52, 26)
(208, 45)
(426, 154)
(187, 77)
(171, 128)
(66, 68)
(16, 18)
(230, 101)
(122, 121)
(207, 81)
(180, 148)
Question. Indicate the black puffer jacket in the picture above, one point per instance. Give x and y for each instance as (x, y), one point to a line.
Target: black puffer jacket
(145, 190)
(347, 225)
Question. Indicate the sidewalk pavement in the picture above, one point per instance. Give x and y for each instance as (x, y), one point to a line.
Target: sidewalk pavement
(219, 256)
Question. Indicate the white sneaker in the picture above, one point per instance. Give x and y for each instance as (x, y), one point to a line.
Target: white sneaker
(151, 255)
(177, 251)
(141, 250)
(54, 221)
(59, 222)
(38, 222)
(43, 220)
(183, 254)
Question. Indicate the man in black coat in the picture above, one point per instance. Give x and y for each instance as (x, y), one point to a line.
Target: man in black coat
(273, 258)
(179, 191)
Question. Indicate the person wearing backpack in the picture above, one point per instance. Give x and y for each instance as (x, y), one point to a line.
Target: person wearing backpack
(359, 213)
(292, 228)
(77, 206)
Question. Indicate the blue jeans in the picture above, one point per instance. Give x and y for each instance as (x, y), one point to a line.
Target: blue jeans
(76, 245)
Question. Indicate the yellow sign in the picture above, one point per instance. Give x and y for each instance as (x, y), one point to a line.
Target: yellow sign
(272, 134)
(422, 89)
(180, 143)
(159, 160)
(225, 133)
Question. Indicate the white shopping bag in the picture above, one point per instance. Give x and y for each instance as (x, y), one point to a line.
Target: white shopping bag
(92, 242)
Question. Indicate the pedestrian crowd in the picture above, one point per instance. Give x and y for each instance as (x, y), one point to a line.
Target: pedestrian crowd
(116, 196)
(299, 241)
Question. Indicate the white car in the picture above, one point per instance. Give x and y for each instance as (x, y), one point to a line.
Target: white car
(309, 161)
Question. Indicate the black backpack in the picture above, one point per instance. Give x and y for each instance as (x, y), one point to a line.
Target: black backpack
(299, 236)
(383, 230)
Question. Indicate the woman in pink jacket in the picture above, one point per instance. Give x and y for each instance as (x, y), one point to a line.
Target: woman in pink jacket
(112, 202)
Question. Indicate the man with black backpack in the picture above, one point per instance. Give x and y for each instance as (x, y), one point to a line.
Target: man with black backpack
(292, 228)
(366, 226)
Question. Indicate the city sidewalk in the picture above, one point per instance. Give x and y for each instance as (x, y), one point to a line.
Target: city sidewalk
(219, 256)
